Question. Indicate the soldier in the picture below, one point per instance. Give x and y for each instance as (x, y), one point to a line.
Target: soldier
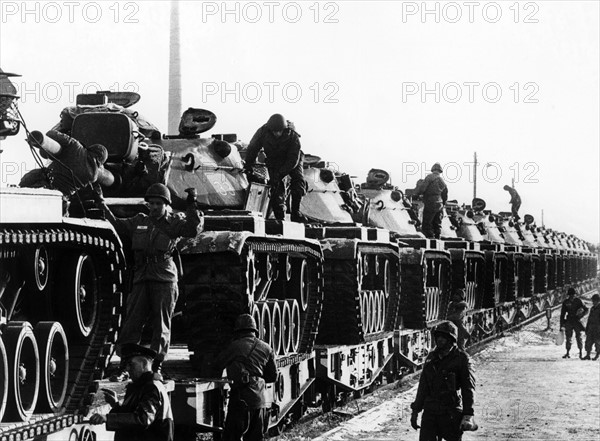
(145, 414)
(457, 309)
(250, 363)
(515, 201)
(435, 194)
(154, 292)
(281, 145)
(571, 313)
(447, 370)
(74, 167)
(592, 329)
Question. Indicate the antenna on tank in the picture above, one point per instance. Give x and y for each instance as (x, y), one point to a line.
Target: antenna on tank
(174, 71)
(474, 175)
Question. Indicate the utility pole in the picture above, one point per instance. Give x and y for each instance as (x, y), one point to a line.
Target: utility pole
(174, 71)
(544, 226)
(474, 175)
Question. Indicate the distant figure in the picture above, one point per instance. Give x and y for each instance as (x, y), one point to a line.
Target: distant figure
(592, 329)
(281, 145)
(447, 370)
(435, 194)
(457, 309)
(571, 313)
(515, 201)
(145, 414)
(250, 363)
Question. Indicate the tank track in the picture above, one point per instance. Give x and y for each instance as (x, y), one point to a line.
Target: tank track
(88, 357)
(346, 281)
(220, 286)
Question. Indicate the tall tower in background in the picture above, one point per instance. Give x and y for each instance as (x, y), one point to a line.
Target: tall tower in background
(174, 71)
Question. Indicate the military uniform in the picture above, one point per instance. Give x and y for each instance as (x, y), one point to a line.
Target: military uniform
(437, 396)
(456, 314)
(571, 322)
(283, 158)
(515, 201)
(435, 193)
(145, 414)
(154, 293)
(250, 363)
(592, 330)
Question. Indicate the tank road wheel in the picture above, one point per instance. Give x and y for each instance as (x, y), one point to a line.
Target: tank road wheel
(299, 283)
(286, 326)
(24, 371)
(295, 326)
(54, 364)
(3, 379)
(41, 265)
(266, 326)
(78, 298)
(374, 311)
(276, 326)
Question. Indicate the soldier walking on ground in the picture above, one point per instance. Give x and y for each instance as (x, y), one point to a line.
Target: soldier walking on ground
(515, 201)
(154, 293)
(571, 313)
(250, 363)
(281, 145)
(457, 309)
(145, 414)
(447, 370)
(592, 329)
(435, 194)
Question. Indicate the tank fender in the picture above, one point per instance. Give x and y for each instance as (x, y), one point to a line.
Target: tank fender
(411, 256)
(214, 242)
(339, 248)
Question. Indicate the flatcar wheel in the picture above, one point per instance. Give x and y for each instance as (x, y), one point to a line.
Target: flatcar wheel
(78, 299)
(54, 364)
(24, 371)
(3, 379)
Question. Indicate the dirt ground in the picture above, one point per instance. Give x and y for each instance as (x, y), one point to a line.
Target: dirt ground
(525, 390)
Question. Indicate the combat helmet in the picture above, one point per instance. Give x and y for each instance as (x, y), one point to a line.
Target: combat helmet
(245, 322)
(277, 123)
(447, 328)
(158, 191)
(437, 167)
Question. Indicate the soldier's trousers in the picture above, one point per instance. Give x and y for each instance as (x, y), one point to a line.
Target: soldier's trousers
(153, 301)
(569, 329)
(278, 190)
(446, 426)
(432, 219)
(591, 339)
(245, 424)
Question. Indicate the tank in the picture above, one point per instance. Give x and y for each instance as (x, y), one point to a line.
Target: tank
(61, 285)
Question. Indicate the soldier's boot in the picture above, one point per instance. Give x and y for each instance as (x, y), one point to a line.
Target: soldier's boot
(597, 356)
(566, 355)
(580, 355)
(297, 216)
(587, 356)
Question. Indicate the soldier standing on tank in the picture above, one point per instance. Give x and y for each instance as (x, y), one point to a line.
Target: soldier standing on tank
(515, 201)
(281, 145)
(250, 363)
(571, 313)
(154, 293)
(447, 370)
(592, 329)
(435, 194)
(145, 414)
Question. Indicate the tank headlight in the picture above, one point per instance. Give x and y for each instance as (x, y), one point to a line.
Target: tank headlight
(396, 196)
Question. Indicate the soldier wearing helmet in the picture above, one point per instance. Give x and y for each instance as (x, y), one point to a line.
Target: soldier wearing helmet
(435, 194)
(250, 363)
(154, 293)
(515, 201)
(571, 313)
(592, 329)
(447, 370)
(281, 145)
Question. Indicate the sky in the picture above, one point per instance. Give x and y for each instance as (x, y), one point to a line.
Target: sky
(390, 85)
